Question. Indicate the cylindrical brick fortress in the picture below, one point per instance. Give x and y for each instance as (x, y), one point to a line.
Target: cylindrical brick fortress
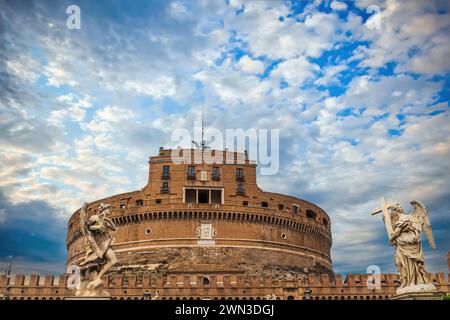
(207, 215)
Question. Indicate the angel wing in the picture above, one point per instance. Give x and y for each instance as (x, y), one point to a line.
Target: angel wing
(83, 219)
(421, 221)
(89, 241)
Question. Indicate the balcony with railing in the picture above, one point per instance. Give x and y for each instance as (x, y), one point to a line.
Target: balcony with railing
(165, 176)
(240, 191)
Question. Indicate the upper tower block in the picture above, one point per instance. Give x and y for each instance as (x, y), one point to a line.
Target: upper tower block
(201, 176)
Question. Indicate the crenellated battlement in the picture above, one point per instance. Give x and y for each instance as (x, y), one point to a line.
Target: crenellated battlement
(134, 285)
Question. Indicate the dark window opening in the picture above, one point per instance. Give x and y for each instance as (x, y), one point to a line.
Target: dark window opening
(166, 172)
(280, 207)
(190, 196)
(203, 196)
(245, 203)
(158, 201)
(122, 206)
(240, 189)
(216, 196)
(264, 204)
(215, 175)
(311, 214)
(191, 172)
(295, 209)
(139, 202)
(239, 174)
(325, 222)
(205, 281)
(165, 187)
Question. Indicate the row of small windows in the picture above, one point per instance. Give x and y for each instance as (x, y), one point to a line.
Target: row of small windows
(212, 196)
(215, 197)
(310, 214)
(191, 173)
(221, 216)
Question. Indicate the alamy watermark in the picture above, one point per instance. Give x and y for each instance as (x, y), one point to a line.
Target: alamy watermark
(74, 19)
(262, 146)
(374, 278)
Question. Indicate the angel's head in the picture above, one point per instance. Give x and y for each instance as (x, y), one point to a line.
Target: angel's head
(103, 208)
(397, 209)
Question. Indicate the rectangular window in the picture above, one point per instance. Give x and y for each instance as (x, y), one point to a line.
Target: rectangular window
(191, 172)
(211, 196)
(215, 174)
(216, 196)
(165, 187)
(203, 196)
(239, 173)
(240, 189)
(166, 172)
(190, 196)
(295, 209)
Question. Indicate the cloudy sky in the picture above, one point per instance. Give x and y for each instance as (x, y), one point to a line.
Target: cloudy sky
(358, 89)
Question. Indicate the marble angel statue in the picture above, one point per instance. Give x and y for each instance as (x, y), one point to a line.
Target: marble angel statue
(404, 232)
(99, 258)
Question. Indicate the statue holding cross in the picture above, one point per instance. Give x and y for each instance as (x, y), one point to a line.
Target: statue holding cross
(404, 232)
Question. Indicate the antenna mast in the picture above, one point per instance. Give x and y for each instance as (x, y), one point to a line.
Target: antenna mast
(203, 126)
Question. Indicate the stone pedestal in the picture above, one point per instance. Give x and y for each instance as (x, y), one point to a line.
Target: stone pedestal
(419, 296)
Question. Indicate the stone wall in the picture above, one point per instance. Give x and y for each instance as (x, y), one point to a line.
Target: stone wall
(133, 285)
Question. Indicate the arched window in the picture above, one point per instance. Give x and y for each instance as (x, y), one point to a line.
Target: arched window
(139, 202)
(205, 281)
(264, 204)
(311, 214)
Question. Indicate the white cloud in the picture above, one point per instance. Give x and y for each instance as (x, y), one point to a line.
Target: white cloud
(268, 36)
(435, 61)
(296, 71)
(159, 88)
(73, 107)
(331, 75)
(57, 75)
(337, 5)
(251, 66)
(409, 35)
(178, 10)
(24, 67)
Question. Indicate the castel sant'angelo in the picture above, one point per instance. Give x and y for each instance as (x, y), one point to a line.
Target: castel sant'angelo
(205, 230)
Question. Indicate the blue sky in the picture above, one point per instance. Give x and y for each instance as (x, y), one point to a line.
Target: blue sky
(358, 89)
